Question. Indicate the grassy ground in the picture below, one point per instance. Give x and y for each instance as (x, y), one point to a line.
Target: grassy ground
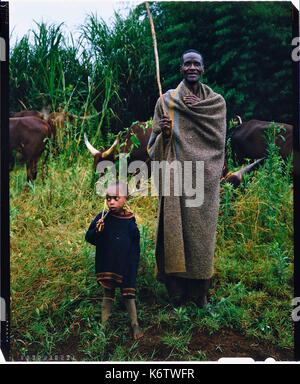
(56, 301)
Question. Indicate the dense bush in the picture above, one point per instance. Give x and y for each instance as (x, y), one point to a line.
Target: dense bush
(109, 71)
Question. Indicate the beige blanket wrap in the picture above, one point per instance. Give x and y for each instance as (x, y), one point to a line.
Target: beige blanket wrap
(185, 237)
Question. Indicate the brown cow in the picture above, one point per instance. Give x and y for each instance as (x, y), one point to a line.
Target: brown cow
(140, 130)
(248, 140)
(27, 136)
(57, 122)
(26, 113)
(58, 119)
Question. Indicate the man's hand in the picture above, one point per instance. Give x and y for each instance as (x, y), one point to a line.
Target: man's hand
(191, 100)
(165, 124)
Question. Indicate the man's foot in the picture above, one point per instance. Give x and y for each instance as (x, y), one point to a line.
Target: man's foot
(136, 332)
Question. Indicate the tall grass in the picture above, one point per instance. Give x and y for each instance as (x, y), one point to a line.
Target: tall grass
(103, 74)
(56, 302)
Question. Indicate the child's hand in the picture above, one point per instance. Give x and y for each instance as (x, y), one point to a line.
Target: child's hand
(99, 225)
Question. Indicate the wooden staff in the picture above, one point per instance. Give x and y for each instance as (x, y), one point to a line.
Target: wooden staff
(156, 58)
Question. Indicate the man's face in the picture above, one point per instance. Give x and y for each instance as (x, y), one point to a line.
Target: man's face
(192, 67)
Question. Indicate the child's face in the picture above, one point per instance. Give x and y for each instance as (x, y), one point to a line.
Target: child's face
(114, 198)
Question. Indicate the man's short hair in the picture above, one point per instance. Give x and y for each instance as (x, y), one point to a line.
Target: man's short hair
(189, 51)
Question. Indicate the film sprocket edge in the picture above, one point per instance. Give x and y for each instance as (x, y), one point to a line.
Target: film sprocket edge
(82, 303)
(4, 217)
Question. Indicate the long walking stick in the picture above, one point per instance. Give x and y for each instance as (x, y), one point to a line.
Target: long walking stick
(156, 58)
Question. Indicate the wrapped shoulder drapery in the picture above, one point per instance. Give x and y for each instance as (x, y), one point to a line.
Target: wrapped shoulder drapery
(185, 238)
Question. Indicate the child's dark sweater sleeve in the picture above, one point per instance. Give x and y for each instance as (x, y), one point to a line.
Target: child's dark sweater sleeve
(91, 234)
(134, 257)
(135, 236)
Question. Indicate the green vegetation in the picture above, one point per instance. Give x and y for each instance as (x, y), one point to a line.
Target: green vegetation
(109, 74)
(56, 303)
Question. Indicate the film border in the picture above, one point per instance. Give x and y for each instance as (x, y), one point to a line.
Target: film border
(296, 107)
(4, 217)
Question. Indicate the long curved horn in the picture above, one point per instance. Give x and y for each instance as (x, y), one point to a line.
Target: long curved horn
(89, 146)
(235, 178)
(112, 148)
(239, 119)
(251, 167)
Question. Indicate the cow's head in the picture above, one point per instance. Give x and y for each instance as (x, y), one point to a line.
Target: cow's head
(103, 155)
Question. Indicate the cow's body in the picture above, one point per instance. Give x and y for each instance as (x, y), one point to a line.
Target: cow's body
(27, 113)
(27, 136)
(142, 132)
(248, 140)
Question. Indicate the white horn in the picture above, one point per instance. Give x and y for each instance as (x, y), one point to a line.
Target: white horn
(247, 169)
(89, 146)
(239, 119)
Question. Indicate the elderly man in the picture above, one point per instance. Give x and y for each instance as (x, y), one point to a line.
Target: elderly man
(190, 127)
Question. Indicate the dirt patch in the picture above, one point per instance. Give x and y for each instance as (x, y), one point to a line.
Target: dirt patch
(226, 343)
(229, 343)
(151, 345)
(69, 349)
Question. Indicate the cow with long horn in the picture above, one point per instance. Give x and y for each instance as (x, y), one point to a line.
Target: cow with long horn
(248, 139)
(109, 154)
(134, 143)
(236, 178)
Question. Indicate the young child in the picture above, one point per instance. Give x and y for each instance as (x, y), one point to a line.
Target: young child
(117, 241)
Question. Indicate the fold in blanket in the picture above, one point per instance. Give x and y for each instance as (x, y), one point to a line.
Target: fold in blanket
(185, 237)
